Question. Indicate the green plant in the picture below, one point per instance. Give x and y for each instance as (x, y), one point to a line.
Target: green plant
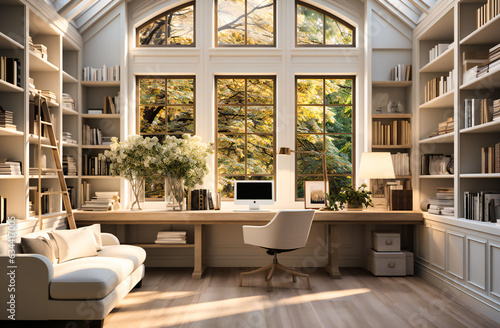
(348, 195)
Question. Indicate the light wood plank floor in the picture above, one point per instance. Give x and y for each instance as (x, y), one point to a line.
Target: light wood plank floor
(170, 298)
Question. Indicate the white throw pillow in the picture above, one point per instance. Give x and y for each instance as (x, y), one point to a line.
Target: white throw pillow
(96, 230)
(39, 245)
(75, 244)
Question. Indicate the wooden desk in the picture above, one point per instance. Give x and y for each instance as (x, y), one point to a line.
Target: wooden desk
(201, 218)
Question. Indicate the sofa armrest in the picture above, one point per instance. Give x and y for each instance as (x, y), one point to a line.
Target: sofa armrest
(109, 239)
(28, 280)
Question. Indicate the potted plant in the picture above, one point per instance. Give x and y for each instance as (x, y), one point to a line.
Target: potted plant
(355, 199)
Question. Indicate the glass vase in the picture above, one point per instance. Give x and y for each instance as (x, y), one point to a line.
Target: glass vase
(174, 193)
(137, 185)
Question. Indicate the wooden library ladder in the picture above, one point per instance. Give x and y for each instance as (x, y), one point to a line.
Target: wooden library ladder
(44, 119)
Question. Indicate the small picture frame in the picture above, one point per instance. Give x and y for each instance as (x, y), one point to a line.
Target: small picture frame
(314, 194)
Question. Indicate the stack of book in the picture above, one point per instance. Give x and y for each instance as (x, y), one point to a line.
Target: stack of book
(496, 110)
(68, 103)
(487, 12)
(443, 203)
(401, 72)
(106, 141)
(394, 133)
(482, 206)
(444, 127)
(438, 50)
(69, 165)
(38, 49)
(490, 159)
(439, 86)
(68, 138)
(102, 201)
(9, 167)
(401, 163)
(103, 73)
(171, 237)
(50, 95)
(7, 119)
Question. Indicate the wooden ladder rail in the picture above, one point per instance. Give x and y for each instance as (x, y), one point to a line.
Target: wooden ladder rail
(44, 119)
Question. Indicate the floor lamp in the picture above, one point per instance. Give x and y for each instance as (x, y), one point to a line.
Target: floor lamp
(376, 166)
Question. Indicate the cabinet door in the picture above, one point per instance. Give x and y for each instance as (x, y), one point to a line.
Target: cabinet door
(476, 263)
(438, 247)
(455, 256)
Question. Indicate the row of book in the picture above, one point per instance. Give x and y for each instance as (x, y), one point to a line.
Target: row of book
(171, 237)
(91, 136)
(401, 163)
(10, 70)
(482, 206)
(401, 72)
(68, 103)
(443, 202)
(7, 119)
(3, 209)
(438, 50)
(490, 159)
(487, 12)
(436, 164)
(396, 132)
(439, 86)
(479, 111)
(481, 63)
(103, 73)
(8, 167)
(444, 127)
(96, 165)
(200, 199)
(102, 201)
(69, 165)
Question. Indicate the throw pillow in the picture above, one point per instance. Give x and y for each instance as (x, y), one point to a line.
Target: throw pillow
(75, 244)
(96, 230)
(39, 245)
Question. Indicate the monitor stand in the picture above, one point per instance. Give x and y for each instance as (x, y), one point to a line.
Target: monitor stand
(252, 208)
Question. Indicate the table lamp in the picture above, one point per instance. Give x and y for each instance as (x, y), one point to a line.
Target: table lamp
(376, 166)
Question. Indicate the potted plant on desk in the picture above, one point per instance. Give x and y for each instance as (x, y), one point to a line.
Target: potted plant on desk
(355, 199)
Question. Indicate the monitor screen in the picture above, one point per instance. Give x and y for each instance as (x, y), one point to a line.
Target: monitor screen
(254, 193)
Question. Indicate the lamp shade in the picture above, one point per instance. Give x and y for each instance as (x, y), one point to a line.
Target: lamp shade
(284, 151)
(376, 166)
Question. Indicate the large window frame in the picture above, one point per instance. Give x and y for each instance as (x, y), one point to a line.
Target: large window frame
(164, 15)
(325, 14)
(246, 175)
(216, 29)
(324, 133)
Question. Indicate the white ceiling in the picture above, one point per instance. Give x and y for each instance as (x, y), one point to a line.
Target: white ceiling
(81, 12)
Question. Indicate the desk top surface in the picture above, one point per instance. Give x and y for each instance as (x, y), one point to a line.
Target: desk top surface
(233, 217)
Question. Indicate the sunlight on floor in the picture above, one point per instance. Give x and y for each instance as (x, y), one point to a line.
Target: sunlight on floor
(138, 297)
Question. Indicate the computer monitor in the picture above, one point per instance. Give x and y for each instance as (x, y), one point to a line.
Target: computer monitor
(254, 193)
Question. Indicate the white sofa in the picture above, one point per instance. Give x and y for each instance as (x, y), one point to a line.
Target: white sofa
(86, 288)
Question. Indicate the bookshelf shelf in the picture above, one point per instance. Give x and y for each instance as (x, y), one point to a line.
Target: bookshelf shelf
(9, 87)
(392, 116)
(67, 78)
(38, 64)
(443, 101)
(443, 176)
(490, 127)
(403, 177)
(100, 83)
(70, 177)
(486, 34)
(9, 43)
(391, 84)
(480, 175)
(491, 79)
(391, 146)
(442, 139)
(96, 147)
(117, 116)
(43, 176)
(10, 132)
(90, 177)
(69, 145)
(165, 245)
(69, 112)
(11, 177)
(443, 63)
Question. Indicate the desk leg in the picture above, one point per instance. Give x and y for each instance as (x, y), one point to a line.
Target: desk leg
(198, 255)
(333, 252)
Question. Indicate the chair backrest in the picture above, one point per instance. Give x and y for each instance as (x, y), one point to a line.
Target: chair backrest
(289, 229)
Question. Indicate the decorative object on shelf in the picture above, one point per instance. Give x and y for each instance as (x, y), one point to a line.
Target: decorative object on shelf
(116, 203)
(174, 192)
(380, 101)
(395, 106)
(315, 194)
(355, 199)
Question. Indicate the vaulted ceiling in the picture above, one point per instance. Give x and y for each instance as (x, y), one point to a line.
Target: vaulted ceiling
(82, 13)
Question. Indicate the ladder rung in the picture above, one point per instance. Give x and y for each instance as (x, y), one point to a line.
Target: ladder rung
(48, 146)
(53, 193)
(47, 216)
(46, 123)
(51, 170)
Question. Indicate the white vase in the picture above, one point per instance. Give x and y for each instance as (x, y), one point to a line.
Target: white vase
(174, 193)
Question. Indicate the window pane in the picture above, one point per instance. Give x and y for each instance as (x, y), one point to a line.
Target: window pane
(180, 29)
(260, 154)
(231, 22)
(260, 22)
(337, 182)
(155, 187)
(180, 91)
(152, 91)
(231, 91)
(153, 34)
(226, 185)
(309, 91)
(309, 26)
(231, 119)
(260, 119)
(180, 119)
(309, 119)
(309, 142)
(231, 154)
(338, 119)
(339, 154)
(338, 91)
(309, 163)
(260, 91)
(337, 33)
(152, 119)
(300, 183)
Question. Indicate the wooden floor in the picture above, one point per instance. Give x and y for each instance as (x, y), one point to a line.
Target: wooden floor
(170, 298)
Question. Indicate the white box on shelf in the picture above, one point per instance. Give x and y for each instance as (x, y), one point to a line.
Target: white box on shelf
(387, 263)
(384, 241)
(409, 262)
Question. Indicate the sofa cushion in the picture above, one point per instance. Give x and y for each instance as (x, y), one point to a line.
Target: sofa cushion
(75, 244)
(133, 253)
(96, 230)
(38, 245)
(46, 235)
(89, 277)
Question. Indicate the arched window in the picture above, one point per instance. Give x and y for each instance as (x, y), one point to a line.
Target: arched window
(245, 23)
(172, 28)
(316, 27)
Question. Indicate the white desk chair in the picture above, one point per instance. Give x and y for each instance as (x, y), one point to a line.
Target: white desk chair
(286, 232)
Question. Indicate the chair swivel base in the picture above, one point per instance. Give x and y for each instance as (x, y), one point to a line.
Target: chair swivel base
(271, 268)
